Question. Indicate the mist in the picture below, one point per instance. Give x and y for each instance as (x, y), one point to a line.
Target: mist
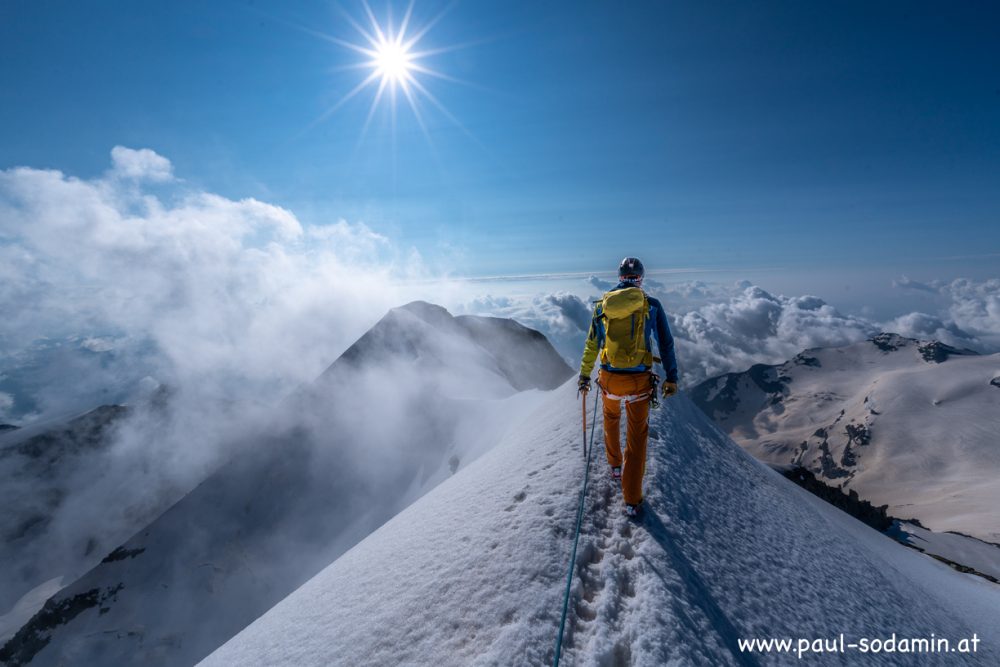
(205, 315)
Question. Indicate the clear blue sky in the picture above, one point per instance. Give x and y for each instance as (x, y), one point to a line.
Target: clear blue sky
(697, 134)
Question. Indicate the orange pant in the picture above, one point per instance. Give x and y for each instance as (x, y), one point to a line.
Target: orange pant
(637, 413)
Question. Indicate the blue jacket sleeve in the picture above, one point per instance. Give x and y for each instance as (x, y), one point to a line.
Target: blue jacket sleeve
(664, 341)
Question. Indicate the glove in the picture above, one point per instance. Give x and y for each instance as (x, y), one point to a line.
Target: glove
(669, 389)
(583, 385)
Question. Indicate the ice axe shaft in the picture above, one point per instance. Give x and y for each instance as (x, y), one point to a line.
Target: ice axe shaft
(583, 404)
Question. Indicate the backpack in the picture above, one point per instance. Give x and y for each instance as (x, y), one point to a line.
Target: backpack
(624, 314)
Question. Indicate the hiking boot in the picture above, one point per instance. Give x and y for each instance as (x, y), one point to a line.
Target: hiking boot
(633, 511)
(616, 472)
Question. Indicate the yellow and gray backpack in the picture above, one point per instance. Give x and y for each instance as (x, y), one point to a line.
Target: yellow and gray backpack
(624, 314)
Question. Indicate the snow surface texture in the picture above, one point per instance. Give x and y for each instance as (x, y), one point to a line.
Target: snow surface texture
(473, 573)
(419, 396)
(908, 424)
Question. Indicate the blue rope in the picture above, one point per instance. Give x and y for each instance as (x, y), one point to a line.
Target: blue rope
(576, 538)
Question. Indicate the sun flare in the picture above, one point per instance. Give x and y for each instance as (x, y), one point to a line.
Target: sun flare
(394, 65)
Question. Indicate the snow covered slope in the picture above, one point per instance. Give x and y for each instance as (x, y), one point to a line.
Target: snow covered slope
(473, 573)
(909, 424)
(981, 557)
(419, 396)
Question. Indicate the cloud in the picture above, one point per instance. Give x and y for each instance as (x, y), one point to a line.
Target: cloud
(140, 165)
(975, 307)
(971, 314)
(556, 313)
(573, 309)
(95, 344)
(905, 283)
(925, 326)
(755, 326)
(6, 403)
(235, 296)
(600, 284)
(563, 317)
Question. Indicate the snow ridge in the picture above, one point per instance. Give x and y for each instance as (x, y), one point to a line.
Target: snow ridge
(473, 573)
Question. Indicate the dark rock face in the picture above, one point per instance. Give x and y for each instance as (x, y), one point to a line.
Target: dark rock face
(933, 352)
(803, 359)
(995, 382)
(85, 432)
(849, 502)
(858, 434)
(875, 517)
(4, 428)
(936, 352)
(767, 383)
(37, 633)
(43, 469)
(121, 553)
(888, 342)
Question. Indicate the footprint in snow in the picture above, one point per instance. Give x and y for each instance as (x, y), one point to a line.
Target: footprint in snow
(518, 497)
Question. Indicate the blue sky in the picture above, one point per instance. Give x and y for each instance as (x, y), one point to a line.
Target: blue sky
(834, 139)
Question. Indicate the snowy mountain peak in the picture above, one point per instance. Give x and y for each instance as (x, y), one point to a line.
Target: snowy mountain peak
(420, 396)
(473, 573)
(931, 351)
(494, 352)
(429, 312)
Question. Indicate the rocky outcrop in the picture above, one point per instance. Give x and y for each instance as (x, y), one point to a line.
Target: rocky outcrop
(876, 517)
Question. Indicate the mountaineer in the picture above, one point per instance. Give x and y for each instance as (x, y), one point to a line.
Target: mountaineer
(624, 322)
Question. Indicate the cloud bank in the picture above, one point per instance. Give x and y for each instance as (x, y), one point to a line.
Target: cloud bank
(725, 328)
(234, 296)
(970, 318)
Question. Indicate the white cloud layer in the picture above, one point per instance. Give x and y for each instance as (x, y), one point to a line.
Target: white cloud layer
(754, 326)
(233, 294)
(971, 316)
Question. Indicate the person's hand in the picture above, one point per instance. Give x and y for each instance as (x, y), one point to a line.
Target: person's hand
(583, 385)
(669, 389)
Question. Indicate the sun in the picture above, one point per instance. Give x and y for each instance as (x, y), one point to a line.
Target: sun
(393, 62)
(394, 65)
